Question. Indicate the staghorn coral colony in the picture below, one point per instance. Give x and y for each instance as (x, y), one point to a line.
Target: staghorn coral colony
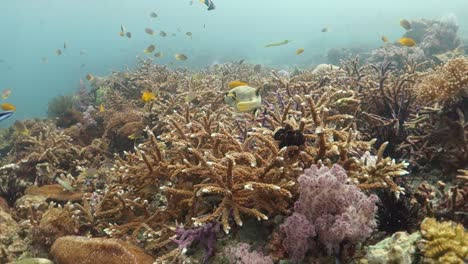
(331, 163)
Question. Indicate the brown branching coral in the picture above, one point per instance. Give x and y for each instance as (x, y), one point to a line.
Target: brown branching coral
(444, 242)
(447, 85)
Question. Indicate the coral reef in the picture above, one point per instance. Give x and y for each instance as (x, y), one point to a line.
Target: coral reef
(444, 242)
(181, 178)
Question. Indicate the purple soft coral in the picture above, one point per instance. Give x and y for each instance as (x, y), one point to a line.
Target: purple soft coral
(338, 211)
(205, 235)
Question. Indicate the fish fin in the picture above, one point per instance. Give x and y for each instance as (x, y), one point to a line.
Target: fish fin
(247, 106)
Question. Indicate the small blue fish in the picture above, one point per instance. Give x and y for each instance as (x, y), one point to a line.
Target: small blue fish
(209, 4)
(6, 115)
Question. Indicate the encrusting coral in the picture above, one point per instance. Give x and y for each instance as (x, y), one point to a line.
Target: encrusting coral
(444, 242)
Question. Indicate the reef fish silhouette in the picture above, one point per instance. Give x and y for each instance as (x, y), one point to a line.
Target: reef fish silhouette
(6, 115)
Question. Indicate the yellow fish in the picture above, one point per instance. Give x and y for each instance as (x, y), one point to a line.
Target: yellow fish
(135, 135)
(102, 108)
(405, 24)
(89, 77)
(384, 39)
(122, 34)
(8, 107)
(408, 42)
(147, 96)
(299, 51)
(149, 49)
(284, 42)
(236, 83)
(243, 98)
(21, 128)
(180, 57)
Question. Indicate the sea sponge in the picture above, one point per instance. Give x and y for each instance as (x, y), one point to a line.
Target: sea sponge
(447, 85)
(444, 242)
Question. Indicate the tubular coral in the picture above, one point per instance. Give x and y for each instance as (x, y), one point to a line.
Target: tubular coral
(447, 84)
(444, 242)
(340, 212)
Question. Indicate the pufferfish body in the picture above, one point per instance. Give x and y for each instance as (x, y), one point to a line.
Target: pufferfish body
(243, 98)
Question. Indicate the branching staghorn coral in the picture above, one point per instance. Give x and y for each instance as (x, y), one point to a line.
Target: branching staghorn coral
(444, 242)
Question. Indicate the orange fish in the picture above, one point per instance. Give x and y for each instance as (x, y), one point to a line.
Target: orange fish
(147, 96)
(8, 107)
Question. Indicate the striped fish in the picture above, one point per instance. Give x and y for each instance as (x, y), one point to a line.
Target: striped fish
(5, 115)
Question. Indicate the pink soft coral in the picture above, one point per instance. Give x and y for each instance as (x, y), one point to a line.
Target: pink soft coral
(337, 211)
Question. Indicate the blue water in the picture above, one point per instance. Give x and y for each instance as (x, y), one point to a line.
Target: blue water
(32, 29)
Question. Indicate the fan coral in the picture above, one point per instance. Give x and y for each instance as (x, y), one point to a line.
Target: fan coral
(59, 105)
(448, 84)
(339, 211)
(444, 242)
(242, 254)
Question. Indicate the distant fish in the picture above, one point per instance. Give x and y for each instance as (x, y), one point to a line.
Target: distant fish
(83, 52)
(158, 54)
(384, 39)
(8, 107)
(149, 49)
(299, 51)
(189, 34)
(102, 108)
(129, 35)
(162, 34)
(6, 93)
(153, 15)
(191, 2)
(5, 115)
(180, 57)
(44, 60)
(236, 83)
(147, 96)
(408, 42)
(149, 31)
(122, 31)
(277, 43)
(405, 24)
(65, 45)
(325, 29)
(89, 77)
(191, 95)
(209, 4)
(58, 52)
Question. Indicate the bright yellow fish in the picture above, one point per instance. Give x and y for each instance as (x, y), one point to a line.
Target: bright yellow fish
(236, 83)
(8, 107)
(102, 108)
(299, 51)
(147, 96)
(408, 42)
